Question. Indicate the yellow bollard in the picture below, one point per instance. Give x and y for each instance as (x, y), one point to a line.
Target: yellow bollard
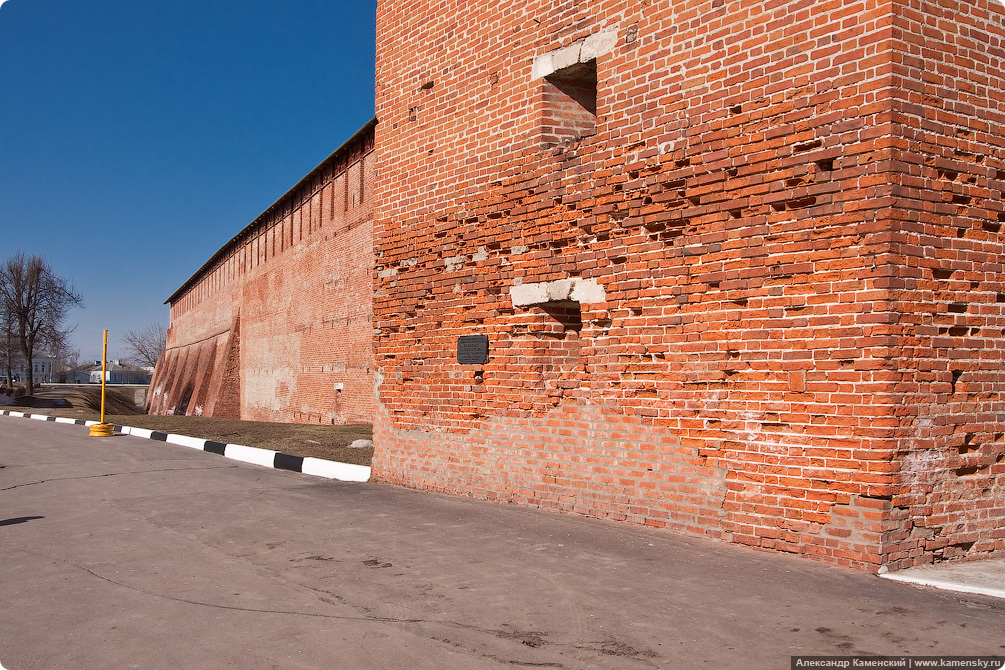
(103, 429)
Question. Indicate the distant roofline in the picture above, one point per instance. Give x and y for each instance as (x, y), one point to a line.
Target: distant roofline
(345, 146)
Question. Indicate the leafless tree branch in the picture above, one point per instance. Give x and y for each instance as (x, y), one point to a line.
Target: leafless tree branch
(36, 301)
(146, 346)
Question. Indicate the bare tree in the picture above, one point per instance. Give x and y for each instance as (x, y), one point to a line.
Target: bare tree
(8, 343)
(38, 301)
(146, 346)
(64, 358)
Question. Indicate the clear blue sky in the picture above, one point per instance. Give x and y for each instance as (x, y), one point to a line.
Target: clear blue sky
(136, 138)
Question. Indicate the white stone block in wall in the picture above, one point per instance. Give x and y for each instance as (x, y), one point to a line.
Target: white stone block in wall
(587, 291)
(560, 290)
(529, 294)
(583, 51)
(566, 56)
(597, 45)
(542, 66)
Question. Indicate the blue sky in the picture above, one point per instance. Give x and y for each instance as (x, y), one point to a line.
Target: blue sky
(136, 138)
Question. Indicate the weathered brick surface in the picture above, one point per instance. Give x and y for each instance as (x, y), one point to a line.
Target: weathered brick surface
(278, 325)
(793, 210)
(948, 288)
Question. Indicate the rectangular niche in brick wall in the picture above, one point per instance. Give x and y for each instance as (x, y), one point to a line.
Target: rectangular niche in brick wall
(569, 79)
(545, 346)
(570, 103)
(566, 316)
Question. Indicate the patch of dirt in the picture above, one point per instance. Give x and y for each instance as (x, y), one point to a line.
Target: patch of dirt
(298, 439)
(331, 443)
(84, 398)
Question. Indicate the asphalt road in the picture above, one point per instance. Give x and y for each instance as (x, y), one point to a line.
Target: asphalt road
(127, 553)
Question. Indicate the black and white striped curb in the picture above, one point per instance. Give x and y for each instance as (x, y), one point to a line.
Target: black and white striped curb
(307, 465)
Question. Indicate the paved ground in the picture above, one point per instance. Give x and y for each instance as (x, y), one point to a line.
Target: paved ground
(127, 553)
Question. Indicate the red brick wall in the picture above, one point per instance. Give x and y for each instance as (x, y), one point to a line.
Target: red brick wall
(948, 288)
(753, 369)
(278, 326)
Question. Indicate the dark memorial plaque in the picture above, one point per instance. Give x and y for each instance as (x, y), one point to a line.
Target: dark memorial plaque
(472, 349)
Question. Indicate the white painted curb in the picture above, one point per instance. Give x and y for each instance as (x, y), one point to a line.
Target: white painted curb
(182, 440)
(250, 455)
(333, 470)
(315, 467)
(946, 586)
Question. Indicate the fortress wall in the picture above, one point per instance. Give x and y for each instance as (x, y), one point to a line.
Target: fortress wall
(949, 287)
(277, 326)
(690, 297)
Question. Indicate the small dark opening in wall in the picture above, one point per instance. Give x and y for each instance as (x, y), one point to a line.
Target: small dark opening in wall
(570, 102)
(956, 378)
(186, 398)
(968, 447)
(578, 82)
(568, 314)
(825, 164)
